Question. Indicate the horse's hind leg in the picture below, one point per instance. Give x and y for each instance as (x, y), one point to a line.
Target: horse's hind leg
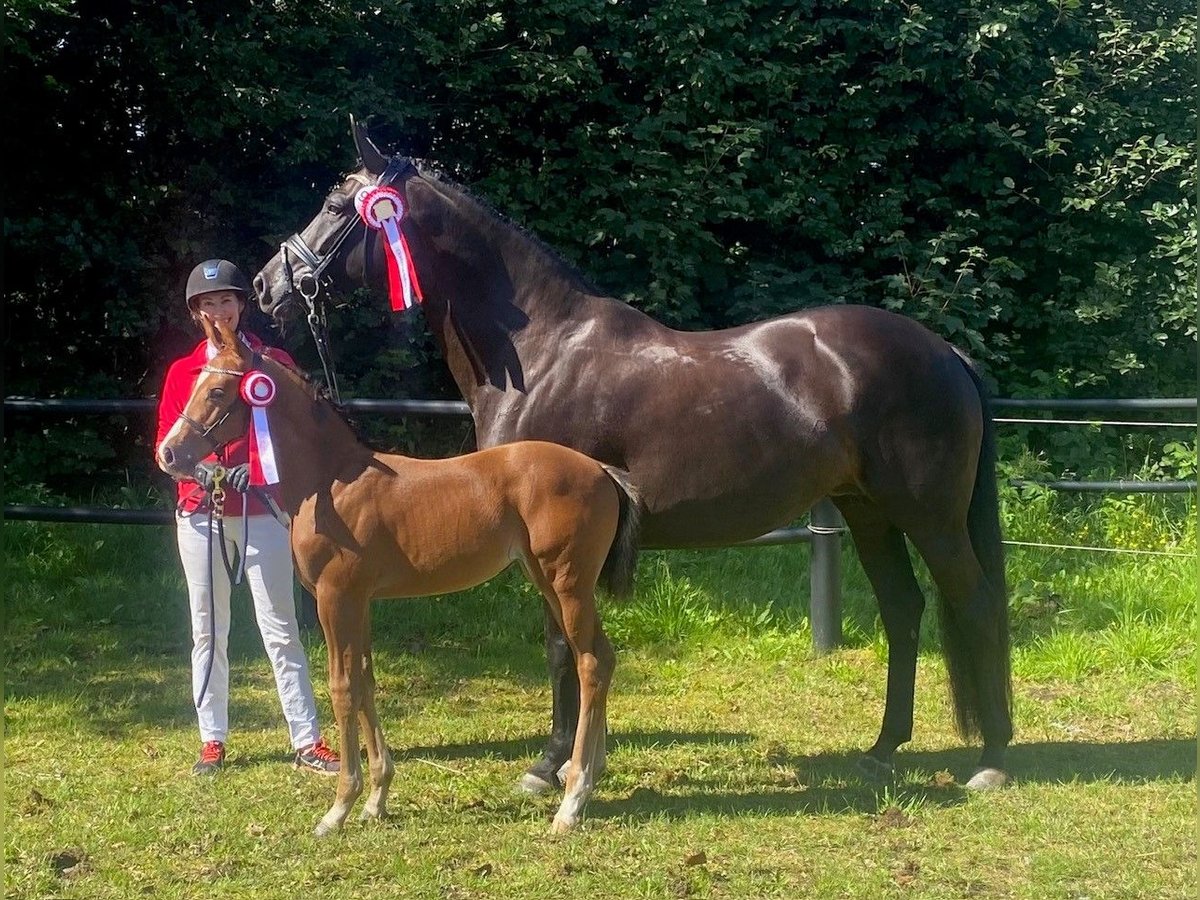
(379, 759)
(884, 555)
(543, 775)
(343, 619)
(975, 643)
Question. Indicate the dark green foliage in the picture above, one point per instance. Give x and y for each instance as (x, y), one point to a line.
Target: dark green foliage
(1019, 177)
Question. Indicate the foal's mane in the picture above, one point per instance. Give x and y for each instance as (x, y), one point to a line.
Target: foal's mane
(319, 394)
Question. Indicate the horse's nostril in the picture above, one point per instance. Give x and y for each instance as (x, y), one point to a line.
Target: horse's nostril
(167, 456)
(260, 286)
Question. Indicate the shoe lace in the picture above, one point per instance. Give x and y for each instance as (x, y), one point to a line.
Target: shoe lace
(323, 751)
(212, 751)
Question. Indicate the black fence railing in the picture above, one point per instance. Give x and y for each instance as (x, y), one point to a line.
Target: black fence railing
(823, 532)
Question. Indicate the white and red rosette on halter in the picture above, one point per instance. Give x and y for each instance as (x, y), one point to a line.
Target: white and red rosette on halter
(258, 390)
(382, 208)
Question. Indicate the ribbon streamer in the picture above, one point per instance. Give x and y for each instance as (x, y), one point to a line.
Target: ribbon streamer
(258, 390)
(382, 208)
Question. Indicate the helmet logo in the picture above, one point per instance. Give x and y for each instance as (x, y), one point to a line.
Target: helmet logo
(211, 270)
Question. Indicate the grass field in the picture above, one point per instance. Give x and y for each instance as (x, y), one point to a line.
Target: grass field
(732, 762)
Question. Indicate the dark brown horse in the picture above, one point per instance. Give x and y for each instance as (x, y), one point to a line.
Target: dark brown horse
(370, 525)
(725, 434)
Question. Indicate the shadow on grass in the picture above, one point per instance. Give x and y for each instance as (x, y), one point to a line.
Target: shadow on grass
(1049, 762)
(832, 782)
(524, 748)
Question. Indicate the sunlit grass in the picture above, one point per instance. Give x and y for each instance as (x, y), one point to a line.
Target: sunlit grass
(733, 747)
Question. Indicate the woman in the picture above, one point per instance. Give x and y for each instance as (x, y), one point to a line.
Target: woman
(218, 289)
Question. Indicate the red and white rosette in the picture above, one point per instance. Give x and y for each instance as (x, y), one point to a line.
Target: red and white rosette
(382, 208)
(258, 390)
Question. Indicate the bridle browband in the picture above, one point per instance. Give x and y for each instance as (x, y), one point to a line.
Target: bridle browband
(308, 285)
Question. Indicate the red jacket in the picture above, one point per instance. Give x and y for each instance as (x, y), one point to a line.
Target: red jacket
(176, 391)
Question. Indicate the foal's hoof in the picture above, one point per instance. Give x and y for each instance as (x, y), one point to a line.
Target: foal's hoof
(875, 770)
(324, 829)
(565, 770)
(563, 825)
(535, 785)
(987, 780)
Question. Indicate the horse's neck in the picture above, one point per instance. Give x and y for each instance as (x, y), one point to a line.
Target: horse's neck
(503, 315)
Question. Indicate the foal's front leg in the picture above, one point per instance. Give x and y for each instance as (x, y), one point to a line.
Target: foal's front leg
(343, 621)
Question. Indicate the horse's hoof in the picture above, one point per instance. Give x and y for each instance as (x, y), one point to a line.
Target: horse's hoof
(369, 815)
(563, 825)
(534, 785)
(987, 780)
(876, 770)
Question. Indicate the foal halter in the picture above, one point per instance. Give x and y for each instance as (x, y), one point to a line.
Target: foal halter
(206, 433)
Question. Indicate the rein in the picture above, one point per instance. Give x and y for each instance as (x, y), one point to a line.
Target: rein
(308, 285)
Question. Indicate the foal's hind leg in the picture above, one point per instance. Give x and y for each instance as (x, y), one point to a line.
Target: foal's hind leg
(884, 555)
(595, 663)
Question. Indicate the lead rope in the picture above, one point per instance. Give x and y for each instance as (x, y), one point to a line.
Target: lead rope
(216, 509)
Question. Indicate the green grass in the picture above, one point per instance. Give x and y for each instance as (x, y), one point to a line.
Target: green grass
(732, 747)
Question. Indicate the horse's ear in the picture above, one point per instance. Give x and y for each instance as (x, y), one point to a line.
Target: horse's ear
(371, 157)
(225, 336)
(210, 330)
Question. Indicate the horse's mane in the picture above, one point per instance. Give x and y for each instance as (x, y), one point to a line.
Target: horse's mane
(491, 217)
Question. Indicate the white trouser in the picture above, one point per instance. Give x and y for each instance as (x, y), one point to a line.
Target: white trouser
(269, 573)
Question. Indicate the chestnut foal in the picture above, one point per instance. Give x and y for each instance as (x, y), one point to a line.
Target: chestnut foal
(368, 525)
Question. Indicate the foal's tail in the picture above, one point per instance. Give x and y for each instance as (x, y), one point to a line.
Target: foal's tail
(616, 576)
(983, 525)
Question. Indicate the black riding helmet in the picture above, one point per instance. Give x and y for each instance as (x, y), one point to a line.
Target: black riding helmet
(216, 275)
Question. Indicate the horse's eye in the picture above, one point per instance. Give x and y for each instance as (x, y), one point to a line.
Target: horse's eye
(216, 394)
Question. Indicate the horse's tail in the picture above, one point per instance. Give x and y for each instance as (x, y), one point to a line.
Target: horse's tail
(983, 526)
(616, 576)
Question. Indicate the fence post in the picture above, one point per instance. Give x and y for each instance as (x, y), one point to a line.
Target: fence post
(825, 575)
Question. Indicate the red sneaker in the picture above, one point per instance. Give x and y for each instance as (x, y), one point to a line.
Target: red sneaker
(212, 757)
(318, 758)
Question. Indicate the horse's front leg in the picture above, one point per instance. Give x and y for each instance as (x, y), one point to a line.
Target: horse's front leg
(595, 669)
(379, 760)
(343, 621)
(544, 775)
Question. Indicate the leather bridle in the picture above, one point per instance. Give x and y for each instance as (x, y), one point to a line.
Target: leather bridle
(308, 285)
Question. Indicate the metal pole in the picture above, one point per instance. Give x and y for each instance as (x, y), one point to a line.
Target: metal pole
(825, 576)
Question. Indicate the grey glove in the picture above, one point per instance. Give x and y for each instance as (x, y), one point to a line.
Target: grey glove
(204, 475)
(238, 477)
